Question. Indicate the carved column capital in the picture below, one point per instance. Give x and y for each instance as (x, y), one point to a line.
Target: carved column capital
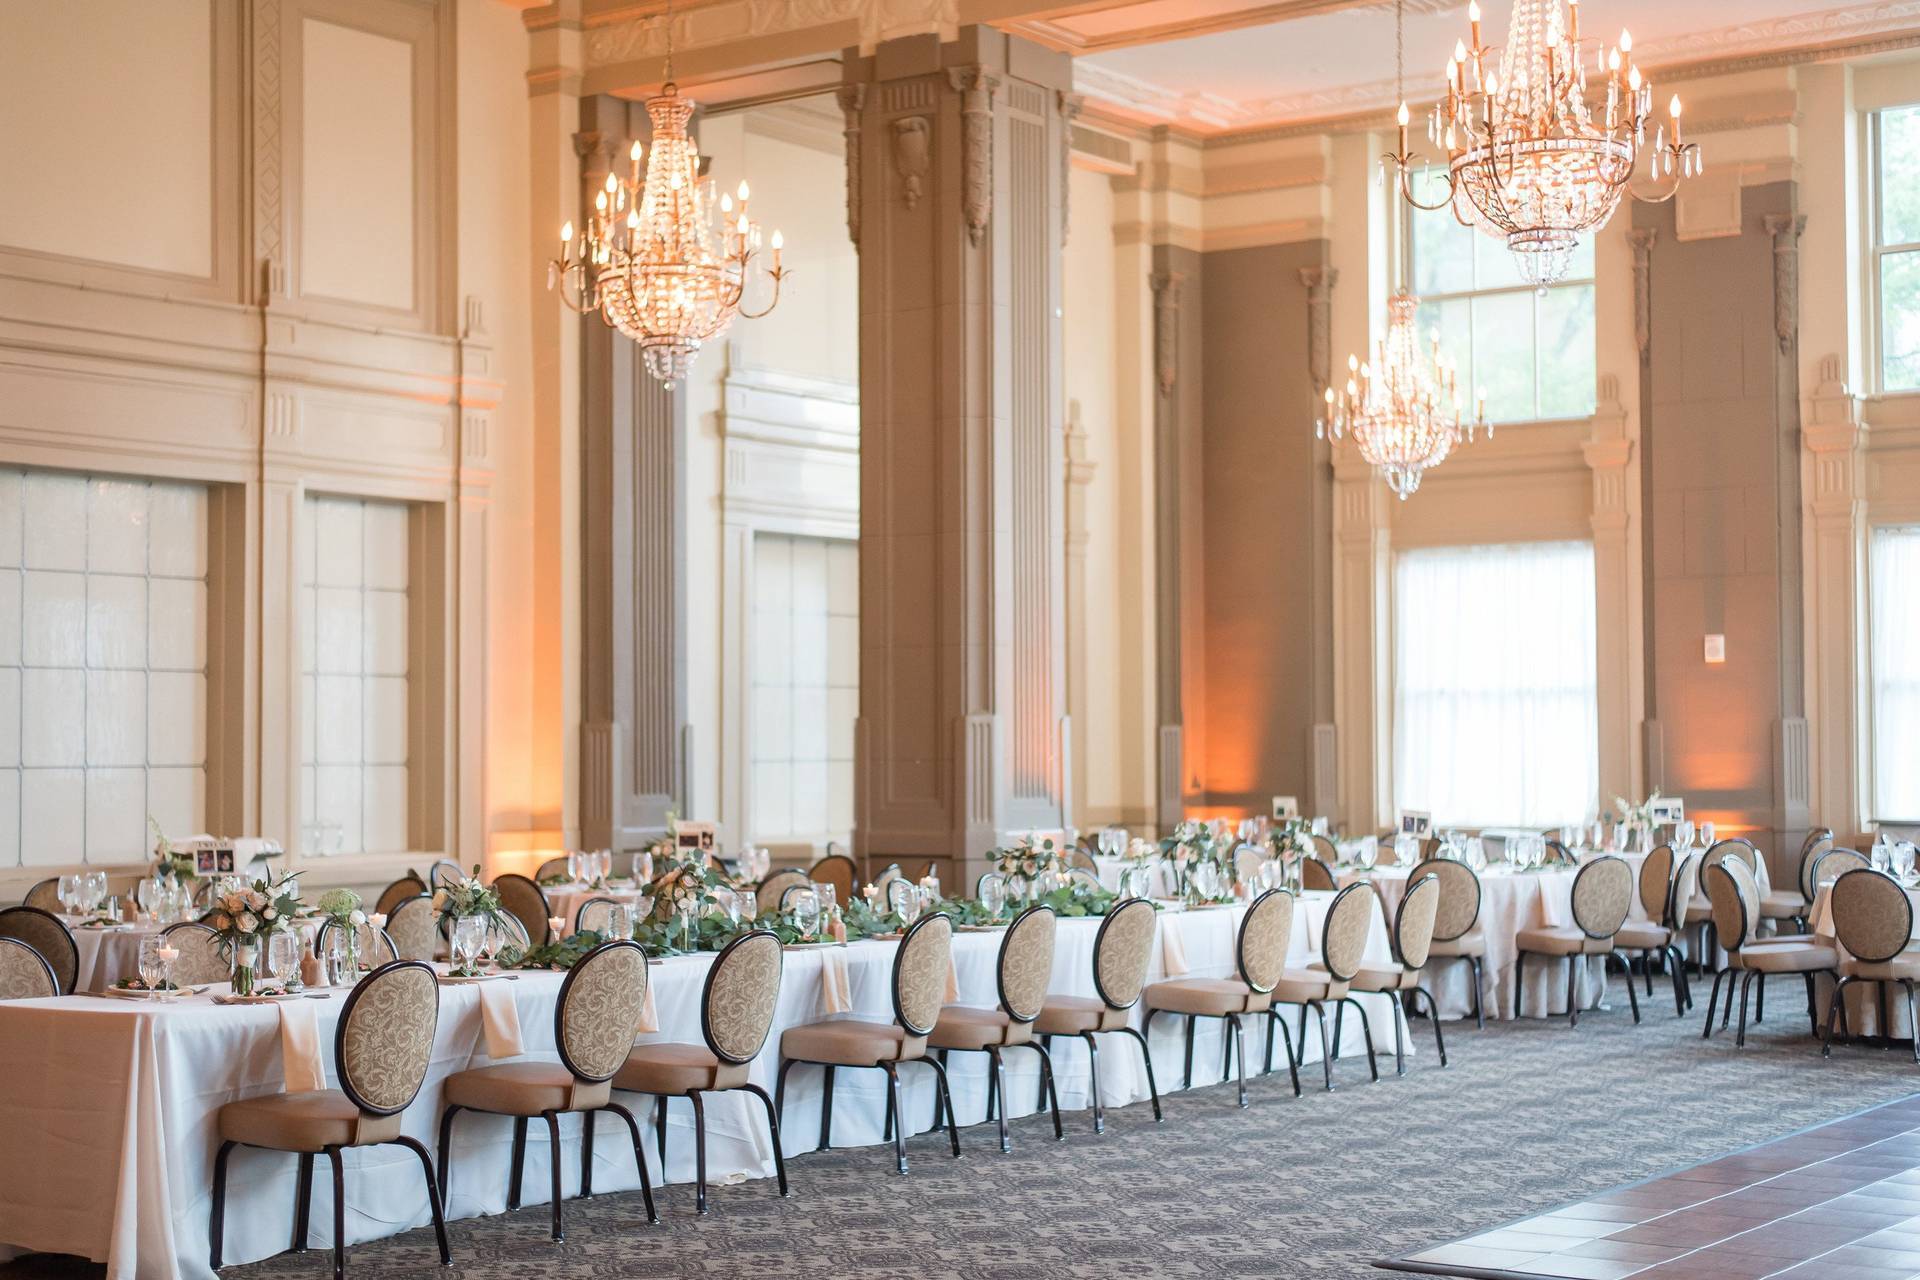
(1166, 328)
(976, 86)
(1641, 239)
(853, 101)
(1319, 282)
(1785, 228)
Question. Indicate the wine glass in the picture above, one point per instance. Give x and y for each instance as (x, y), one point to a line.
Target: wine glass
(993, 894)
(283, 956)
(1903, 861)
(1706, 834)
(69, 891)
(827, 896)
(152, 971)
(1683, 833)
(1368, 853)
(805, 906)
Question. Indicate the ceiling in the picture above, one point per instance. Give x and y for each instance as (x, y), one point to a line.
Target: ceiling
(1257, 64)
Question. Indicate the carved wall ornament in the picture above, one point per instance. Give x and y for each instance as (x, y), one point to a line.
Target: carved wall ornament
(975, 85)
(912, 155)
(1642, 238)
(853, 99)
(1070, 104)
(1785, 228)
(1166, 328)
(1319, 282)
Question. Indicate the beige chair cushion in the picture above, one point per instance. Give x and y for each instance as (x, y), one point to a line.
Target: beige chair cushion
(964, 1027)
(851, 1043)
(676, 1068)
(1072, 1015)
(1390, 979)
(1297, 986)
(1471, 943)
(1783, 957)
(1904, 967)
(1207, 997)
(1561, 942)
(1782, 904)
(1642, 935)
(1699, 909)
(523, 1089)
(304, 1122)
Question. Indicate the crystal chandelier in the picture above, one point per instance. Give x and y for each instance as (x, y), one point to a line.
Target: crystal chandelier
(1402, 411)
(1528, 162)
(652, 261)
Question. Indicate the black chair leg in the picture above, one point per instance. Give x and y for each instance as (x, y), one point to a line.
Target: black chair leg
(993, 1085)
(773, 1129)
(1433, 1009)
(1093, 1082)
(1479, 980)
(1712, 1001)
(446, 1149)
(1573, 990)
(1339, 1026)
(1633, 997)
(433, 1198)
(1836, 1002)
(1519, 984)
(216, 1225)
(938, 1114)
(1286, 1043)
(303, 1204)
(640, 1155)
(779, 1098)
(553, 1161)
(339, 1214)
(586, 1155)
(1646, 967)
(1759, 998)
(1886, 1033)
(660, 1132)
(899, 1136)
(1746, 987)
(946, 1102)
(1047, 1090)
(519, 1158)
(1913, 1023)
(1326, 1047)
(826, 1115)
(1366, 1032)
(1045, 1045)
(1238, 1041)
(1399, 1034)
(1813, 1015)
(1186, 1074)
(1146, 1059)
(699, 1151)
(997, 1083)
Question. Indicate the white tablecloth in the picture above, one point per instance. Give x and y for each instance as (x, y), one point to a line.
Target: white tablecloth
(110, 1105)
(108, 955)
(565, 901)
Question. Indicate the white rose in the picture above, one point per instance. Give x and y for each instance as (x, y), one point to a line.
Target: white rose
(358, 917)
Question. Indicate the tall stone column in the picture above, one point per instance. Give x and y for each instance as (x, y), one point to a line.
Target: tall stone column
(955, 198)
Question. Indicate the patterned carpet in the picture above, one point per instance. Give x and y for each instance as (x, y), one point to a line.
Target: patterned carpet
(1526, 1117)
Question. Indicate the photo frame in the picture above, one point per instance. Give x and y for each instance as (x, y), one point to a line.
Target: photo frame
(1417, 823)
(695, 837)
(1285, 807)
(1667, 810)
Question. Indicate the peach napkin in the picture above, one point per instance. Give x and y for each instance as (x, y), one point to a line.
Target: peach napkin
(300, 1046)
(500, 1021)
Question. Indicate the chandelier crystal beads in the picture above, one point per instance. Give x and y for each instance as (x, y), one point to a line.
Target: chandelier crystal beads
(659, 259)
(1402, 409)
(1529, 159)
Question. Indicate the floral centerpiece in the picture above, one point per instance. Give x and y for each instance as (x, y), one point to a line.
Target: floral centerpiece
(246, 915)
(684, 887)
(343, 908)
(1202, 862)
(1637, 818)
(1291, 839)
(468, 898)
(1027, 865)
(170, 863)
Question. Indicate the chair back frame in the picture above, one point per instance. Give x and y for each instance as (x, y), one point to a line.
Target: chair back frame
(1100, 941)
(936, 920)
(66, 966)
(1445, 870)
(1273, 900)
(1882, 885)
(539, 932)
(1412, 951)
(1336, 914)
(716, 970)
(1739, 914)
(360, 988)
(1598, 868)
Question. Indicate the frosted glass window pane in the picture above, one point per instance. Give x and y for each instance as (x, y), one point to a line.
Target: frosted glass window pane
(354, 661)
(804, 638)
(102, 665)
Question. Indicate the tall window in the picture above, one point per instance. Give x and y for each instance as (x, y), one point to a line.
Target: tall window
(1894, 561)
(1896, 246)
(1531, 351)
(103, 661)
(806, 686)
(353, 651)
(1495, 714)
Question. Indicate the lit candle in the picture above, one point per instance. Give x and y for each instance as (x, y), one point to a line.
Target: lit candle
(1403, 128)
(872, 891)
(167, 954)
(556, 923)
(377, 920)
(1473, 16)
(1673, 109)
(778, 241)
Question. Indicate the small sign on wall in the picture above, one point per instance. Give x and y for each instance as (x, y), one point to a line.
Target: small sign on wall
(1716, 649)
(1417, 823)
(1667, 811)
(1285, 807)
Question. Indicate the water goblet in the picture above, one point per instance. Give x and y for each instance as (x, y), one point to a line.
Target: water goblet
(1369, 852)
(573, 866)
(1902, 859)
(993, 893)
(619, 922)
(805, 906)
(827, 895)
(152, 972)
(1706, 834)
(68, 889)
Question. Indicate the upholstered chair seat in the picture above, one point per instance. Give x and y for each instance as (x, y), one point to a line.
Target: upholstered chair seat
(1783, 904)
(1385, 979)
(382, 1049)
(1643, 935)
(921, 966)
(1297, 986)
(1024, 969)
(1873, 924)
(1565, 940)
(1122, 951)
(1329, 980)
(1473, 944)
(1260, 954)
(1602, 898)
(736, 1013)
(1904, 967)
(595, 1021)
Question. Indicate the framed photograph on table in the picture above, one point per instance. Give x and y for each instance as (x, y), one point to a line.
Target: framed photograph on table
(1417, 823)
(1667, 811)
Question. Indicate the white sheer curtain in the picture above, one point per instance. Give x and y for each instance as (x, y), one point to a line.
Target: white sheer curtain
(1895, 587)
(1495, 717)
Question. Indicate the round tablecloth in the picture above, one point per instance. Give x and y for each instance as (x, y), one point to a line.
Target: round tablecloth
(565, 901)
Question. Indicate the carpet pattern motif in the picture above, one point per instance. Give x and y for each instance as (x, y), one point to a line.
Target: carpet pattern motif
(1528, 1116)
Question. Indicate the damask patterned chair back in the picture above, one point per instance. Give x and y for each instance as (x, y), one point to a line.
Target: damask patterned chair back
(1326, 850)
(45, 895)
(1315, 874)
(1872, 915)
(1122, 950)
(599, 1011)
(920, 972)
(1741, 849)
(445, 872)
(201, 960)
(1343, 945)
(1602, 896)
(1686, 883)
(551, 867)
(1026, 963)
(1246, 864)
(1265, 935)
(593, 914)
(1459, 907)
(385, 1038)
(1413, 922)
(1732, 910)
(24, 972)
(407, 886)
(743, 989)
(49, 935)
(1814, 851)
(1835, 863)
(1082, 857)
(525, 902)
(1656, 883)
(768, 897)
(838, 870)
(411, 926)
(1748, 885)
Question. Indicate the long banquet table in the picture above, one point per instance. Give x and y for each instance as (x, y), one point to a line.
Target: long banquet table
(110, 1105)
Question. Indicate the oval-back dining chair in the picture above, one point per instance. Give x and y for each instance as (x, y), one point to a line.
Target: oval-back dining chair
(48, 934)
(1457, 934)
(24, 972)
(526, 902)
(1602, 899)
(1122, 953)
(1260, 959)
(1328, 980)
(202, 960)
